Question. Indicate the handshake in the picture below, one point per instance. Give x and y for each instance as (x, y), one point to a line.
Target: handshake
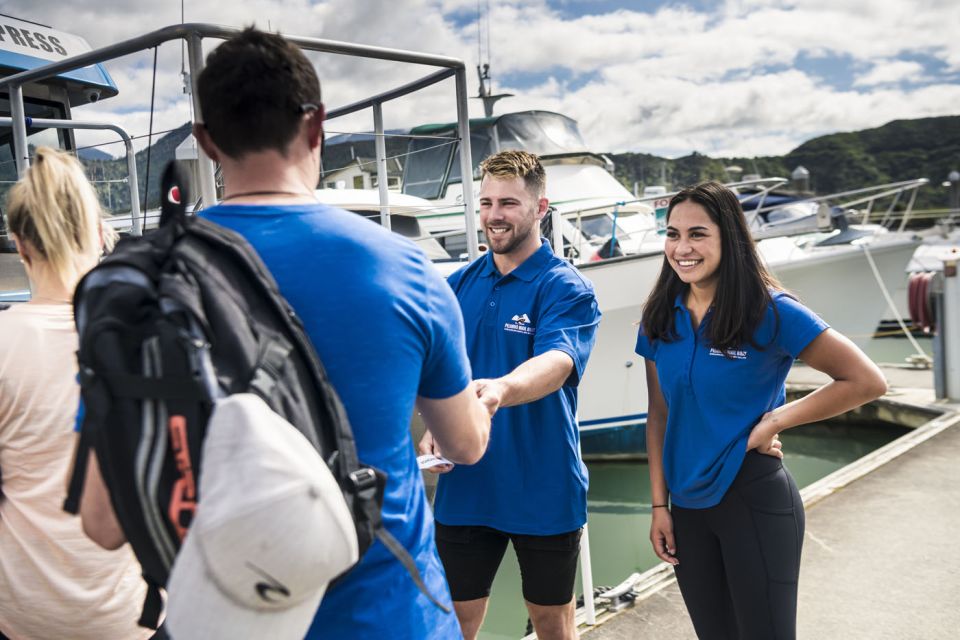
(490, 393)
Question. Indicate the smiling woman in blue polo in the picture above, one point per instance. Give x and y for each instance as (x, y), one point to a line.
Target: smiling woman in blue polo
(719, 336)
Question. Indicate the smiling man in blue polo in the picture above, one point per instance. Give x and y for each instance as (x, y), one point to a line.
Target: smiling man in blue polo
(530, 321)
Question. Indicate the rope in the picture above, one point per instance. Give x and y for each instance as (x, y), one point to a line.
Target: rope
(153, 89)
(896, 314)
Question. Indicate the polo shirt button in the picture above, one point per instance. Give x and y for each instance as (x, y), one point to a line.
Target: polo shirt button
(496, 288)
(492, 303)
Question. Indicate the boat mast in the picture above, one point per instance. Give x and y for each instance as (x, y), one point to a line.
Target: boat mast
(483, 68)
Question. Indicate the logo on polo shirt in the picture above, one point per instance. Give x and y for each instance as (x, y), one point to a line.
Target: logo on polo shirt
(733, 353)
(520, 323)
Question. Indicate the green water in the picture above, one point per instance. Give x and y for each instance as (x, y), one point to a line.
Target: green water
(895, 350)
(619, 513)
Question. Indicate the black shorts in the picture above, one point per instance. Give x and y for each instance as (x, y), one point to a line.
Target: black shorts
(471, 556)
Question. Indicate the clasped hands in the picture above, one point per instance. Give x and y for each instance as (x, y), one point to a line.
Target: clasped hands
(490, 392)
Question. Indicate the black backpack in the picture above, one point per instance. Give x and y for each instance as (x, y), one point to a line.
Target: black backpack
(168, 323)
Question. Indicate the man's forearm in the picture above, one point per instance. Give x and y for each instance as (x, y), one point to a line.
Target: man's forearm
(537, 377)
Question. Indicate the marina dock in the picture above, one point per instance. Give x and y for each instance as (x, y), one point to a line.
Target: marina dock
(880, 557)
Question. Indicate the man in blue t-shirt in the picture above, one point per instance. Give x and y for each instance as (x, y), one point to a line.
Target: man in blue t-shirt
(384, 323)
(530, 321)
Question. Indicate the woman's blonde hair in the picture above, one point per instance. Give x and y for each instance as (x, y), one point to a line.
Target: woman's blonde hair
(55, 208)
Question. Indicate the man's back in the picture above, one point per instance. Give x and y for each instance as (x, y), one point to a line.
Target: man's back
(387, 329)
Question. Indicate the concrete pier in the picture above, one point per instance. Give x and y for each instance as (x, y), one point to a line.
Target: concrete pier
(881, 557)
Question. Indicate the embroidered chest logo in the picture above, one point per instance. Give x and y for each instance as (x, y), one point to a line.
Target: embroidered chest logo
(733, 353)
(520, 323)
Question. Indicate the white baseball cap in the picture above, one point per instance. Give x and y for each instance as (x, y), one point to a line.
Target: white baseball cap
(270, 531)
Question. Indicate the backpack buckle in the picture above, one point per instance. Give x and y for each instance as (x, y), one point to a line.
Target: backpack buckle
(363, 479)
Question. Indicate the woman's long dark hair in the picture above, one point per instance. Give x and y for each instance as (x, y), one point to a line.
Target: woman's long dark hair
(743, 285)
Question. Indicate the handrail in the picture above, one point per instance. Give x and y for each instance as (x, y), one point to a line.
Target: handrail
(206, 30)
(891, 189)
(193, 34)
(136, 226)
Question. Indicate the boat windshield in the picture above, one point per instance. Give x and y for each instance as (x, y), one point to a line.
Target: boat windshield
(600, 226)
(430, 164)
(428, 161)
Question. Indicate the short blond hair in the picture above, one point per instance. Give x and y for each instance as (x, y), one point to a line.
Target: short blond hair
(513, 163)
(55, 208)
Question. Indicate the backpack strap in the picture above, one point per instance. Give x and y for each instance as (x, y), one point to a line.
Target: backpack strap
(365, 483)
(400, 553)
(152, 606)
(79, 475)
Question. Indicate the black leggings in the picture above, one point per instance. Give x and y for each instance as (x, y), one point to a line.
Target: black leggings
(740, 560)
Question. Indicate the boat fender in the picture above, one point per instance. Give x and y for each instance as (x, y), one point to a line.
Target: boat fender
(919, 303)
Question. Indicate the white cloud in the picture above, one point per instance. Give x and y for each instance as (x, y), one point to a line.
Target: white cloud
(669, 81)
(891, 72)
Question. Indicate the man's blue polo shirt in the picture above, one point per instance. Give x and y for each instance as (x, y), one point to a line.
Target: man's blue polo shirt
(531, 479)
(387, 328)
(714, 400)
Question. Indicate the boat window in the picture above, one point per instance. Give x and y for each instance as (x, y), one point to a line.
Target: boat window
(599, 227)
(426, 166)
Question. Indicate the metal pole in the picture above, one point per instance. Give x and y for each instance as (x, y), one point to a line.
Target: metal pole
(20, 150)
(466, 165)
(381, 148)
(909, 209)
(586, 578)
(951, 311)
(136, 222)
(206, 172)
(555, 221)
(586, 565)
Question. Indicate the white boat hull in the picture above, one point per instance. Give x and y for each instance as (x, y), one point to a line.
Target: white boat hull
(837, 283)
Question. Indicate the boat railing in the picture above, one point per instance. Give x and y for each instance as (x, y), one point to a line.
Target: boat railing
(869, 196)
(135, 217)
(193, 35)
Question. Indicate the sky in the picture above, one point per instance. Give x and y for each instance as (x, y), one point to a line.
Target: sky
(723, 78)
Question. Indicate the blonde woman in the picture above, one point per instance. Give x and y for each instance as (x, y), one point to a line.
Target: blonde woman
(54, 581)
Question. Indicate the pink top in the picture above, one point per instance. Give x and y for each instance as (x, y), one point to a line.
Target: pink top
(54, 581)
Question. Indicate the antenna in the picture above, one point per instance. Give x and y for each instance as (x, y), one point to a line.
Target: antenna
(184, 74)
(485, 92)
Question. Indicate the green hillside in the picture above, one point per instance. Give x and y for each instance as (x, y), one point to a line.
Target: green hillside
(900, 150)
(115, 196)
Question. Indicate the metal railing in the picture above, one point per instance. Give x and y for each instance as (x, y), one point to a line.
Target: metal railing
(194, 34)
(135, 218)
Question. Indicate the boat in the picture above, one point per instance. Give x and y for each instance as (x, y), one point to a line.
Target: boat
(48, 106)
(616, 239)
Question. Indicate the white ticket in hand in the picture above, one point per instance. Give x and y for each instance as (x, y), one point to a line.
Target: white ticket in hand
(428, 460)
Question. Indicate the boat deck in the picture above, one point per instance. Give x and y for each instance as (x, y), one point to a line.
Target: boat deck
(880, 559)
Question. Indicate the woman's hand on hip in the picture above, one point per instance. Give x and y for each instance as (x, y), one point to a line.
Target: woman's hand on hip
(661, 535)
(765, 437)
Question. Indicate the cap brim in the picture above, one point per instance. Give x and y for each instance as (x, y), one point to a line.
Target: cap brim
(198, 609)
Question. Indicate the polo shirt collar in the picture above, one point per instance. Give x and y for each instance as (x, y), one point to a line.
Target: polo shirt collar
(528, 270)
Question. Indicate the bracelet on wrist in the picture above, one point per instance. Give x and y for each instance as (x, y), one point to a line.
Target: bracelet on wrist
(656, 506)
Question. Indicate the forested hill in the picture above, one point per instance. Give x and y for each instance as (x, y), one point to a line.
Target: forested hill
(900, 150)
(116, 195)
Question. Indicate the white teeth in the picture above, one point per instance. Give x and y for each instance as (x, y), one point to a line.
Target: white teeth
(496, 230)
(687, 263)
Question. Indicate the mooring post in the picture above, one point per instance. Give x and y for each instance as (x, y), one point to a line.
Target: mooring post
(950, 329)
